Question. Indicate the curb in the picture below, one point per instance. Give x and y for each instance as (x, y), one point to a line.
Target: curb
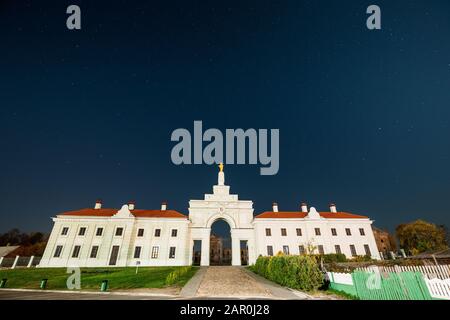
(117, 293)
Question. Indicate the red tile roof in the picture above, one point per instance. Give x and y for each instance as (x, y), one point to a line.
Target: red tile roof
(138, 213)
(300, 215)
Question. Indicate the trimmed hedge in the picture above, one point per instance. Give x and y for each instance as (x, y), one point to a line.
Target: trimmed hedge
(296, 272)
(331, 258)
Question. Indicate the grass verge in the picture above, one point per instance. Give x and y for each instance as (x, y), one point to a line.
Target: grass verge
(91, 278)
(341, 294)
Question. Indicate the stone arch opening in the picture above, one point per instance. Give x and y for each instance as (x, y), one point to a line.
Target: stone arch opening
(220, 253)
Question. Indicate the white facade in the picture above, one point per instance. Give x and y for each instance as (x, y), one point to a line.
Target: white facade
(166, 238)
(309, 240)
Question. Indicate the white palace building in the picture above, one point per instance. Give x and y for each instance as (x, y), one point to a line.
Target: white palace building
(99, 237)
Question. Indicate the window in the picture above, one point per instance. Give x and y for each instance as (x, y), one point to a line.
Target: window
(269, 250)
(367, 249)
(348, 231)
(174, 233)
(268, 232)
(82, 231)
(172, 253)
(137, 252)
(140, 233)
(119, 232)
(333, 232)
(286, 250)
(155, 252)
(76, 251)
(65, 231)
(114, 255)
(353, 250)
(299, 232)
(362, 232)
(58, 251)
(320, 248)
(99, 232)
(301, 249)
(283, 232)
(317, 230)
(94, 252)
(337, 248)
(157, 232)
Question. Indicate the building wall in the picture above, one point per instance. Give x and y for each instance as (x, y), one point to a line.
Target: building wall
(183, 242)
(308, 237)
(383, 240)
(126, 242)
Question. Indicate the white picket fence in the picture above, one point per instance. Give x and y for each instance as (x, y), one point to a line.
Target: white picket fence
(438, 288)
(341, 278)
(441, 272)
(19, 262)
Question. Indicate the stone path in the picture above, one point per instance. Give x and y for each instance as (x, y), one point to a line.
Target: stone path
(235, 282)
(230, 282)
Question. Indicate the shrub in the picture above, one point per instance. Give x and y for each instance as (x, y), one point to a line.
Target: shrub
(175, 276)
(331, 258)
(334, 257)
(297, 272)
(361, 259)
(260, 266)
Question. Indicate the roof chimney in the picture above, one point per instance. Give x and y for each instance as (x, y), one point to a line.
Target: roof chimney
(131, 205)
(304, 207)
(333, 208)
(98, 204)
(164, 206)
(275, 207)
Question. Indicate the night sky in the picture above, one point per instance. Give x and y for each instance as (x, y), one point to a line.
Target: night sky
(364, 116)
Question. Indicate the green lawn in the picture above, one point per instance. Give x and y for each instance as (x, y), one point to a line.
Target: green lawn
(91, 278)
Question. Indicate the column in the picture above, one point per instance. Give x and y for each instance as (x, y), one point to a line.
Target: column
(251, 252)
(205, 252)
(235, 249)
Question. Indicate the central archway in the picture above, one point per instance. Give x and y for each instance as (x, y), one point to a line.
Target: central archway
(220, 244)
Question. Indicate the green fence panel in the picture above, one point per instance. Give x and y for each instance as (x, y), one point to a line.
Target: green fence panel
(390, 286)
(344, 288)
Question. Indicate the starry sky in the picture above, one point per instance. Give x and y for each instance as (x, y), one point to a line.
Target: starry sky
(364, 116)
